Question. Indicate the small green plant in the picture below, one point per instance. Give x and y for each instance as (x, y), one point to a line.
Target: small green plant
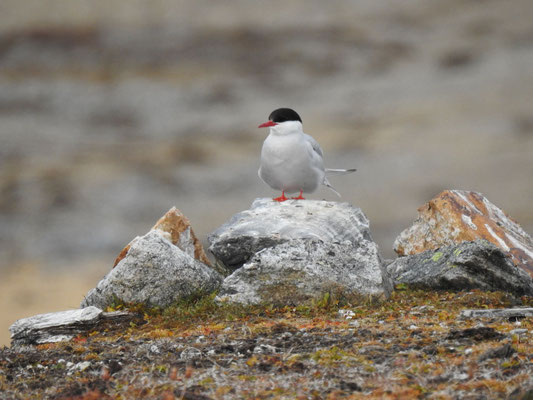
(205, 307)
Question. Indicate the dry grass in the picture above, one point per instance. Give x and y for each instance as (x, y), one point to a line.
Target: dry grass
(413, 346)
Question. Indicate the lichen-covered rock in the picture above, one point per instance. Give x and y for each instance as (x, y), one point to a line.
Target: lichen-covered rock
(154, 272)
(269, 223)
(464, 266)
(63, 325)
(300, 270)
(177, 228)
(26, 330)
(292, 252)
(455, 216)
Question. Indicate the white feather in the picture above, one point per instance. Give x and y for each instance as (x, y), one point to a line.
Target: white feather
(292, 160)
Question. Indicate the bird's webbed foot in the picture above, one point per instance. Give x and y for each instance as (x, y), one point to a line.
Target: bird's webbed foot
(300, 197)
(281, 198)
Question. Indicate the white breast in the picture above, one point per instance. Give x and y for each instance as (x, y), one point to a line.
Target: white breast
(289, 163)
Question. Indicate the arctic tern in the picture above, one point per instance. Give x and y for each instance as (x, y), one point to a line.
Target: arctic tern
(291, 160)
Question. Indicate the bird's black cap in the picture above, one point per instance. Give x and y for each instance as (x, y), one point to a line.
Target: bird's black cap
(284, 114)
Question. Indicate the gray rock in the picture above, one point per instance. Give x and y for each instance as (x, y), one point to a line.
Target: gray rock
(295, 251)
(455, 216)
(508, 313)
(505, 351)
(268, 223)
(468, 265)
(63, 325)
(154, 272)
(300, 270)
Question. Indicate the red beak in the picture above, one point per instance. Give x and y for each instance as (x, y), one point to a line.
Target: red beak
(267, 124)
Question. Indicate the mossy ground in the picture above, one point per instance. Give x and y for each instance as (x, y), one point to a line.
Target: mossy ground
(411, 346)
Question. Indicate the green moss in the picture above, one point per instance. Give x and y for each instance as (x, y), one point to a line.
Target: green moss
(401, 286)
(195, 308)
(161, 369)
(209, 381)
(437, 256)
(335, 355)
(247, 377)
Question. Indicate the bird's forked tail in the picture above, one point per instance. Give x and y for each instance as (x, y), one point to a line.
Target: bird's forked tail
(328, 185)
(336, 171)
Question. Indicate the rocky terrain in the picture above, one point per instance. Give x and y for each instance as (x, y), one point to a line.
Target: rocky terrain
(298, 303)
(415, 346)
(112, 112)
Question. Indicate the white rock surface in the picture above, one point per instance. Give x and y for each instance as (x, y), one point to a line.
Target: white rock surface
(268, 223)
(295, 251)
(154, 272)
(300, 270)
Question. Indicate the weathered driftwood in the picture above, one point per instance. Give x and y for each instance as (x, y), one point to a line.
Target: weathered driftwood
(64, 325)
(498, 313)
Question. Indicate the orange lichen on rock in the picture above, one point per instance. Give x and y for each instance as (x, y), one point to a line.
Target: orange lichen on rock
(177, 228)
(455, 216)
(180, 230)
(121, 255)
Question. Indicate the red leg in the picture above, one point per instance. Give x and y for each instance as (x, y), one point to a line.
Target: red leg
(281, 198)
(300, 197)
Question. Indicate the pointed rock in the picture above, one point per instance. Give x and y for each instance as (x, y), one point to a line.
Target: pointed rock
(178, 230)
(158, 269)
(455, 216)
(181, 234)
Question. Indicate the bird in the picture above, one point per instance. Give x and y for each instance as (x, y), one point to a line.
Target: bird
(292, 160)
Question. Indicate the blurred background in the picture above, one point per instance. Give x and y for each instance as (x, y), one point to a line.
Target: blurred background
(111, 112)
